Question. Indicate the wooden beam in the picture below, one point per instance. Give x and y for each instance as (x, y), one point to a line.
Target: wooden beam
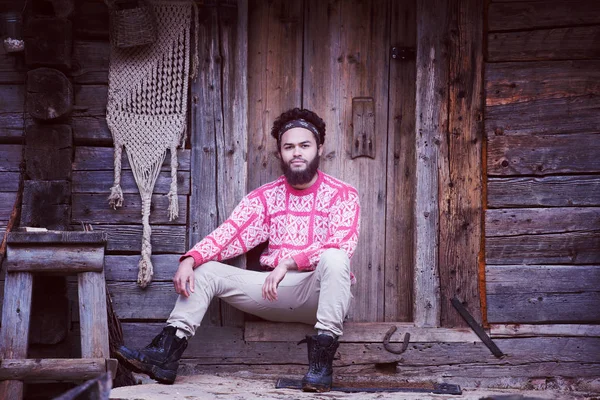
(358, 332)
(535, 221)
(560, 330)
(54, 369)
(431, 128)
(127, 238)
(89, 158)
(93, 318)
(63, 259)
(14, 335)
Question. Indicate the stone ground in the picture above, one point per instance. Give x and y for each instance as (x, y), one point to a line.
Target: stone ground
(243, 385)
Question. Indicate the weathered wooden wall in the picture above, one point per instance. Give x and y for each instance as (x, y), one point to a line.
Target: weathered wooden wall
(542, 121)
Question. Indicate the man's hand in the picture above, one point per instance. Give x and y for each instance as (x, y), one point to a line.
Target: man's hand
(183, 276)
(269, 289)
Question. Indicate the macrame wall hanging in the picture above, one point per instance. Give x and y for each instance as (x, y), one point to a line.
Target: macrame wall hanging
(147, 110)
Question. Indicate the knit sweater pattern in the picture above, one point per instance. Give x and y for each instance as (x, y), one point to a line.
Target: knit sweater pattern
(301, 224)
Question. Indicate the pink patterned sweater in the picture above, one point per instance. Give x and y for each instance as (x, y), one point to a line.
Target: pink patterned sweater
(297, 223)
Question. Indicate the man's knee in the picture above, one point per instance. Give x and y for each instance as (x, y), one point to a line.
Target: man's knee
(335, 260)
(208, 268)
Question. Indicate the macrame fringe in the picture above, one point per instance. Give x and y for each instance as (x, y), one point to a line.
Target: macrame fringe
(173, 201)
(115, 199)
(145, 268)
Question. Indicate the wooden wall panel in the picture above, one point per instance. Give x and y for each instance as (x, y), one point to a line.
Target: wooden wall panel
(12, 106)
(101, 158)
(101, 182)
(91, 130)
(219, 131)
(533, 221)
(399, 234)
(346, 55)
(573, 43)
(519, 279)
(431, 127)
(520, 82)
(460, 166)
(90, 62)
(547, 191)
(274, 79)
(527, 15)
(543, 154)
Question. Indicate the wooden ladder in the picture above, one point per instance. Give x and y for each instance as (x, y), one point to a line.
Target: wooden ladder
(64, 253)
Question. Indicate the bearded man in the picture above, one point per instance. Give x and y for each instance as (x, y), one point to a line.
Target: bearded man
(311, 222)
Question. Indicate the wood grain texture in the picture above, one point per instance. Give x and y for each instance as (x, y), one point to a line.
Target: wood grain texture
(535, 221)
(432, 127)
(10, 157)
(90, 61)
(16, 313)
(94, 209)
(528, 15)
(47, 258)
(101, 182)
(543, 154)
(399, 225)
(7, 201)
(548, 248)
(93, 319)
(460, 166)
(358, 332)
(89, 158)
(52, 369)
(561, 330)
(572, 43)
(91, 131)
(125, 268)
(544, 307)
(547, 191)
(576, 114)
(90, 100)
(519, 82)
(127, 238)
(274, 79)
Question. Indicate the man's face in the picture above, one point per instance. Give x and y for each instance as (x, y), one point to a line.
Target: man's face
(299, 156)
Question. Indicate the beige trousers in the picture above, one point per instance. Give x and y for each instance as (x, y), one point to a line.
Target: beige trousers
(320, 297)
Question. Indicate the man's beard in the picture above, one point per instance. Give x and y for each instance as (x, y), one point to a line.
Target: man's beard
(296, 178)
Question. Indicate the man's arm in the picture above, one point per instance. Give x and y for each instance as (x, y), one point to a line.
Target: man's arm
(269, 289)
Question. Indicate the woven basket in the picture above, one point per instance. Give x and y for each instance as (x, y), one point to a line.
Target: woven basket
(132, 23)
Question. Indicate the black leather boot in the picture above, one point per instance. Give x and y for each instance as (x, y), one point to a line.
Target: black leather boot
(159, 360)
(321, 350)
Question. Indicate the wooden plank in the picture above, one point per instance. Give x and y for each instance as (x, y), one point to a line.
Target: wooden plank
(91, 131)
(10, 157)
(572, 43)
(52, 369)
(547, 191)
(544, 307)
(543, 154)
(577, 114)
(12, 99)
(399, 225)
(515, 279)
(101, 158)
(431, 126)
(11, 127)
(551, 248)
(231, 139)
(534, 14)
(94, 208)
(357, 332)
(90, 61)
(10, 181)
(130, 302)
(346, 55)
(518, 82)
(533, 221)
(7, 201)
(125, 268)
(16, 313)
(90, 100)
(561, 330)
(460, 166)
(274, 79)
(93, 319)
(101, 182)
(47, 258)
(128, 238)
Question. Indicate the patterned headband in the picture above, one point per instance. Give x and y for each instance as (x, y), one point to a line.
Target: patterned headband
(300, 123)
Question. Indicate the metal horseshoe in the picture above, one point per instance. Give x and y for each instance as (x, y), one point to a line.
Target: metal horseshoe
(386, 341)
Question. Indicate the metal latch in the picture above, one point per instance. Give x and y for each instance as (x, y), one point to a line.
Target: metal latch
(404, 53)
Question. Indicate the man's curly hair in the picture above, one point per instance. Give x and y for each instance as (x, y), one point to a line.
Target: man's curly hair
(298, 113)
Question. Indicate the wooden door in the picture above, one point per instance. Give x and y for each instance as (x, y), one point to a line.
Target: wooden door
(335, 58)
